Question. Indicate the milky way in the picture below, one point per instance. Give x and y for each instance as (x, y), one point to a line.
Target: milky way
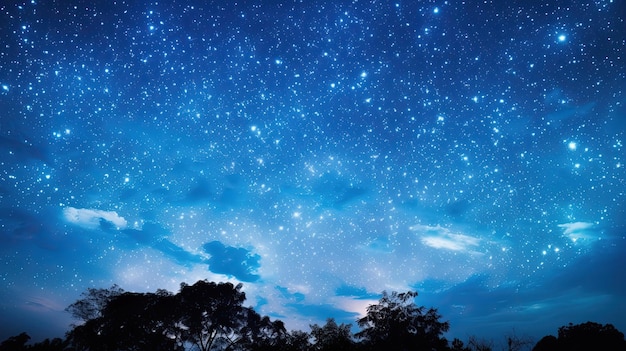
(318, 152)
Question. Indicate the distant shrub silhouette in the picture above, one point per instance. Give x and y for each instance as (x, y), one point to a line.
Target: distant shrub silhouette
(585, 336)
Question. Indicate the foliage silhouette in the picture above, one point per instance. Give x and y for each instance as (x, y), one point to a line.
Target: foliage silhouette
(17, 342)
(517, 343)
(457, 345)
(213, 317)
(547, 343)
(208, 316)
(397, 323)
(477, 344)
(93, 303)
(331, 336)
(585, 336)
(297, 340)
(205, 316)
(128, 321)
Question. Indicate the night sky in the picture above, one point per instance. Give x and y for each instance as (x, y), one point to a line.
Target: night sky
(320, 152)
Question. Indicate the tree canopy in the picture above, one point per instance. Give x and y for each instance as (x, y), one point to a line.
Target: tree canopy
(209, 316)
(205, 316)
(397, 323)
(332, 336)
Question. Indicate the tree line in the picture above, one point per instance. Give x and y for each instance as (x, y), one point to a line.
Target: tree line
(209, 316)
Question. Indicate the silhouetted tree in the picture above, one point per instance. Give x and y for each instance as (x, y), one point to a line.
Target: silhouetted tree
(331, 337)
(476, 344)
(132, 322)
(56, 344)
(205, 316)
(260, 333)
(457, 345)
(211, 316)
(128, 321)
(93, 302)
(297, 340)
(518, 343)
(397, 323)
(15, 343)
(585, 336)
(83, 337)
(590, 336)
(547, 343)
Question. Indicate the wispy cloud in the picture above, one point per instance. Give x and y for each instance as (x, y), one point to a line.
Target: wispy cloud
(93, 219)
(577, 231)
(442, 238)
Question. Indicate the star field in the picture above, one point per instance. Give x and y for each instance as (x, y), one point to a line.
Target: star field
(319, 152)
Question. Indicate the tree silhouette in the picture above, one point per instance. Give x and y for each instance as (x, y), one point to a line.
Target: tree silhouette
(212, 315)
(208, 316)
(331, 336)
(296, 340)
(457, 345)
(132, 320)
(477, 344)
(397, 323)
(515, 342)
(128, 321)
(260, 333)
(55, 344)
(93, 302)
(585, 336)
(17, 342)
(590, 336)
(547, 343)
(205, 316)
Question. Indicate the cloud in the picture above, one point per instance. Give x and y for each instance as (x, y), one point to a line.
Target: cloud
(232, 261)
(442, 238)
(355, 292)
(41, 303)
(576, 231)
(176, 252)
(151, 235)
(448, 241)
(94, 219)
(355, 306)
(295, 296)
(155, 236)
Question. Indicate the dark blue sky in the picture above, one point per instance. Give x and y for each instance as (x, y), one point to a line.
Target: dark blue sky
(320, 153)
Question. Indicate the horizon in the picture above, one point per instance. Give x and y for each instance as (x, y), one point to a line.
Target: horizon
(319, 153)
(497, 335)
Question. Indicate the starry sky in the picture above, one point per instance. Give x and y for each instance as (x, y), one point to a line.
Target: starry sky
(320, 152)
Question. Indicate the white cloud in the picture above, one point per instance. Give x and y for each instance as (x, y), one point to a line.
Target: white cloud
(578, 230)
(91, 219)
(455, 242)
(354, 305)
(442, 238)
